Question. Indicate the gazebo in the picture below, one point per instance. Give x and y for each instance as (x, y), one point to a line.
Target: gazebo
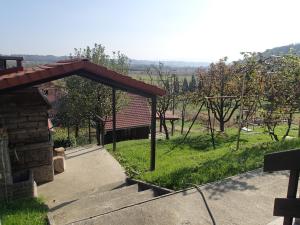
(17, 78)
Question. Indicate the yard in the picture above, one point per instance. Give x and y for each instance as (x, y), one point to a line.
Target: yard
(195, 161)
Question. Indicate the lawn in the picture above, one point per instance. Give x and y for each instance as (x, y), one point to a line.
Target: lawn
(195, 161)
(23, 212)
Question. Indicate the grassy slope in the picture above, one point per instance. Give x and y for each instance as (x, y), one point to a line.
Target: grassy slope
(196, 161)
(23, 212)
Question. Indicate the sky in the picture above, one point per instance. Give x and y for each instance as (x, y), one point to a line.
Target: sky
(184, 30)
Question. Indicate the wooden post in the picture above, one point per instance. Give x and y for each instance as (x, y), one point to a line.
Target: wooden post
(153, 133)
(102, 133)
(98, 132)
(114, 118)
(292, 192)
(68, 130)
(90, 139)
(173, 127)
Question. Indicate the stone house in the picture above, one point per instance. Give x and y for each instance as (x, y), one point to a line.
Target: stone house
(26, 150)
(132, 121)
(25, 118)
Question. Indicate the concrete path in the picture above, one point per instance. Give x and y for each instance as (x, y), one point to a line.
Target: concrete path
(88, 169)
(246, 199)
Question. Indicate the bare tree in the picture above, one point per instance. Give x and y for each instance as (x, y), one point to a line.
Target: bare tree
(162, 77)
(219, 85)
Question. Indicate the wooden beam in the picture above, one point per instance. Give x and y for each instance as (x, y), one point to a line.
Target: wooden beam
(287, 160)
(153, 133)
(114, 118)
(287, 207)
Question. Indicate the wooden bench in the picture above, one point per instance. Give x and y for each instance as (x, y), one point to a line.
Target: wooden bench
(288, 207)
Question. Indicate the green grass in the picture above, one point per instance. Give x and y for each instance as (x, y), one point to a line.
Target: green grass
(196, 161)
(23, 212)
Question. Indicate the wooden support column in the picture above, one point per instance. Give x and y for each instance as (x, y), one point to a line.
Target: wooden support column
(292, 192)
(153, 133)
(114, 118)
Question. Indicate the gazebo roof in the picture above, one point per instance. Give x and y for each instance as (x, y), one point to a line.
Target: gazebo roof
(82, 67)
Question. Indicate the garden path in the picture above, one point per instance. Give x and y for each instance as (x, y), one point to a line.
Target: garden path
(88, 169)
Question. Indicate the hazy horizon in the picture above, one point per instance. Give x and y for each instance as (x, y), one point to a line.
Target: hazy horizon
(193, 31)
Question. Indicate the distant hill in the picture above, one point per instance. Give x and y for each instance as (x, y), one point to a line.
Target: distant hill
(135, 62)
(42, 59)
(283, 50)
(31, 60)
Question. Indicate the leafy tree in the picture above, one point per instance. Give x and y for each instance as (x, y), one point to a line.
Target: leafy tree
(280, 77)
(193, 84)
(219, 85)
(176, 85)
(86, 99)
(185, 85)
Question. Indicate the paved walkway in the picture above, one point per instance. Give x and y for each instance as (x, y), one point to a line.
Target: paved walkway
(246, 199)
(87, 169)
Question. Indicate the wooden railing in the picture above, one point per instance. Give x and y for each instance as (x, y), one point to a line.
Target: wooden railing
(288, 207)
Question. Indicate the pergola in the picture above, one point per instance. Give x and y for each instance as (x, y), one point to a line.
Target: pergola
(17, 78)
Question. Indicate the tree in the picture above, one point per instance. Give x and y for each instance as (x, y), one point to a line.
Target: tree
(280, 77)
(219, 85)
(166, 81)
(86, 99)
(185, 85)
(193, 84)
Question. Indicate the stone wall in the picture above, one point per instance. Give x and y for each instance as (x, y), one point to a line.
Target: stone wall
(25, 116)
(19, 189)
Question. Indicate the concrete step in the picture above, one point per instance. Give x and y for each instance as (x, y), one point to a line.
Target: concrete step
(245, 199)
(99, 203)
(78, 151)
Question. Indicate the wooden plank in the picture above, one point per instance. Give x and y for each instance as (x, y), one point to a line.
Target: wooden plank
(287, 160)
(287, 207)
(153, 133)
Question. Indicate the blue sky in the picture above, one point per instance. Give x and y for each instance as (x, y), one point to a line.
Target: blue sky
(193, 30)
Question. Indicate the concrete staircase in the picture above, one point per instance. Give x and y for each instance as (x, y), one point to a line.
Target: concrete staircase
(105, 200)
(246, 199)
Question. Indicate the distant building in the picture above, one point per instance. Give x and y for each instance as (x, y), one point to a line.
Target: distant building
(132, 121)
(53, 92)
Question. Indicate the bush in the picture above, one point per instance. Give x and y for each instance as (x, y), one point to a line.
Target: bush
(60, 138)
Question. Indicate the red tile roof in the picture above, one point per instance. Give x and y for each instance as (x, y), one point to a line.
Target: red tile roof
(82, 67)
(135, 114)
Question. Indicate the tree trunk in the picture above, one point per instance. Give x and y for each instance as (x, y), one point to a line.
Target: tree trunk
(222, 125)
(290, 119)
(160, 123)
(165, 128)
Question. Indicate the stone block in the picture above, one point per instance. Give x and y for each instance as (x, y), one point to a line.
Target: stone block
(43, 174)
(59, 151)
(59, 164)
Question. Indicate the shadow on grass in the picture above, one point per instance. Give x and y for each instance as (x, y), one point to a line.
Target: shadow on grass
(203, 142)
(28, 211)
